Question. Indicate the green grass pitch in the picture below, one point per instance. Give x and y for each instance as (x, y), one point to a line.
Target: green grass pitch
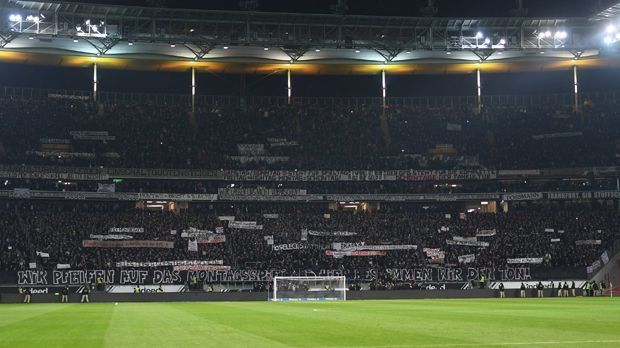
(553, 322)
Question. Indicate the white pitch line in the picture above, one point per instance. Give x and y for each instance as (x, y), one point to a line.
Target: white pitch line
(495, 344)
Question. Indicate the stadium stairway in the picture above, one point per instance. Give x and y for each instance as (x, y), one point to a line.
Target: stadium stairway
(610, 272)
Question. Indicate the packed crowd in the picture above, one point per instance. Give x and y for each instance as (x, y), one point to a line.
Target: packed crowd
(308, 137)
(343, 187)
(546, 231)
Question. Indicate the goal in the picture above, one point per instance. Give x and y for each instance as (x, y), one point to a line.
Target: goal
(309, 288)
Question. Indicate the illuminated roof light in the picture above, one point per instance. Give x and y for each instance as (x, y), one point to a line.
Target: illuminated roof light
(265, 48)
(560, 35)
(500, 52)
(75, 40)
(502, 41)
(542, 52)
(225, 47)
(487, 41)
(610, 29)
(191, 30)
(130, 43)
(541, 35)
(547, 33)
(15, 18)
(608, 40)
(317, 50)
(173, 45)
(87, 22)
(357, 51)
(479, 35)
(30, 37)
(448, 52)
(95, 28)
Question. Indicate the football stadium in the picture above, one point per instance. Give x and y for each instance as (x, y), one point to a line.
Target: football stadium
(268, 173)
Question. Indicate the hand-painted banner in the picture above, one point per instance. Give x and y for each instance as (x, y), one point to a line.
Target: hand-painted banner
(341, 254)
(588, 242)
(212, 239)
(290, 246)
(464, 239)
(126, 229)
(468, 243)
(530, 260)
(245, 225)
(382, 247)
(127, 264)
(201, 268)
(465, 259)
(330, 233)
(89, 243)
(486, 233)
(111, 236)
(154, 276)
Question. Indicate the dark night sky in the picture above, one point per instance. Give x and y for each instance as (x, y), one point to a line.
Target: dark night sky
(447, 8)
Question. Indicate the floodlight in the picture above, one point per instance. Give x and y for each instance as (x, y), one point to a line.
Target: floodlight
(479, 35)
(15, 18)
(611, 28)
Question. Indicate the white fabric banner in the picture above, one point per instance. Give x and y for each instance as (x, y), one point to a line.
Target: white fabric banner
(588, 242)
(467, 243)
(126, 229)
(111, 236)
(106, 187)
(245, 225)
(345, 245)
(331, 233)
(464, 239)
(42, 254)
(226, 218)
(464, 259)
(124, 264)
(63, 266)
(192, 245)
(530, 260)
(486, 233)
(271, 216)
(290, 246)
(383, 247)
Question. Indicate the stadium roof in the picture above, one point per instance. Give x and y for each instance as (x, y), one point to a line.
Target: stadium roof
(610, 12)
(146, 37)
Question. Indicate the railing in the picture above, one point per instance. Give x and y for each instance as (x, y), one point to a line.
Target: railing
(430, 101)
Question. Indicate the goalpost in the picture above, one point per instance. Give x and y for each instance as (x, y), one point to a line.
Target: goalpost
(309, 288)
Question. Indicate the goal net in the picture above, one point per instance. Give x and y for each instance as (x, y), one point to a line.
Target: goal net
(309, 288)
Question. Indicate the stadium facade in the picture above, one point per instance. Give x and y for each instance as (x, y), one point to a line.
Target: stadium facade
(116, 167)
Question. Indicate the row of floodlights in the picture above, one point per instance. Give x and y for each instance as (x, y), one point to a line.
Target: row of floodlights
(17, 18)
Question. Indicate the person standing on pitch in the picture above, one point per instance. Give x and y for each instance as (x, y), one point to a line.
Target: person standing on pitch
(540, 287)
(65, 295)
(572, 287)
(502, 294)
(522, 290)
(85, 295)
(27, 294)
(565, 289)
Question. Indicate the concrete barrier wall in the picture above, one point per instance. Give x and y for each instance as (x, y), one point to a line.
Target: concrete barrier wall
(263, 296)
